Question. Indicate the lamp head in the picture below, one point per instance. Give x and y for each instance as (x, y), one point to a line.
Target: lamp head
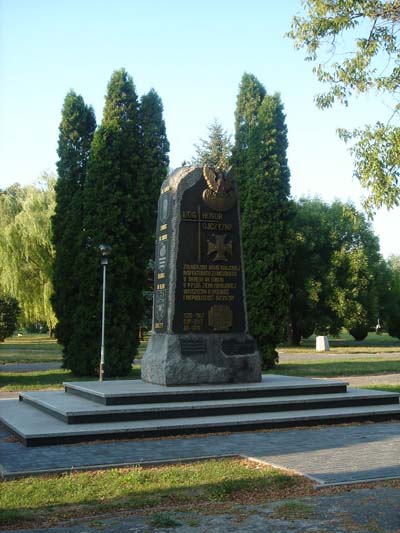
(105, 250)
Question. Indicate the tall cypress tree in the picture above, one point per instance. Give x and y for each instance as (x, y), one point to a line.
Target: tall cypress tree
(248, 103)
(154, 160)
(76, 131)
(265, 221)
(114, 214)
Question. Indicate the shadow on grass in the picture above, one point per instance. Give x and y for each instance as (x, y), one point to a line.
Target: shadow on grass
(48, 379)
(337, 368)
(74, 495)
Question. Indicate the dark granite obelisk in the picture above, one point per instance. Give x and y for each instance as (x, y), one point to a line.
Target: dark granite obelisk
(199, 330)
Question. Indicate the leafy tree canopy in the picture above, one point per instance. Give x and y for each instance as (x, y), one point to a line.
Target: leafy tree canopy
(26, 251)
(338, 277)
(372, 64)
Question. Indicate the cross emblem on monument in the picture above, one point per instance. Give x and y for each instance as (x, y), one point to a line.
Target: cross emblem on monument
(220, 247)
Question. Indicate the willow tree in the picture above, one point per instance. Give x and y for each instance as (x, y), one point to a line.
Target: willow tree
(26, 251)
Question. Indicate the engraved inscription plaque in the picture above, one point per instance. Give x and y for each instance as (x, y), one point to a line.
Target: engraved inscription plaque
(209, 286)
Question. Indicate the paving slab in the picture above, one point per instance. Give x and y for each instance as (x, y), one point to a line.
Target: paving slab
(329, 455)
(71, 407)
(137, 387)
(35, 427)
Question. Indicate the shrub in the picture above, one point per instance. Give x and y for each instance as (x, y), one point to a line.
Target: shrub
(9, 311)
(359, 332)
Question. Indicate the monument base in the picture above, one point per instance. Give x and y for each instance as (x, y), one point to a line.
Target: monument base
(193, 359)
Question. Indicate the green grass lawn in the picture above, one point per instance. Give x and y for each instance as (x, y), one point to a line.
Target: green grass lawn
(329, 368)
(30, 348)
(345, 343)
(38, 500)
(39, 348)
(46, 379)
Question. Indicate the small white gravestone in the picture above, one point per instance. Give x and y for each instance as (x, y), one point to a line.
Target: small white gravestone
(322, 344)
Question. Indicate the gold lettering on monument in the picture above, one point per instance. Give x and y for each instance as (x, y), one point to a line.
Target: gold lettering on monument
(193, 321)
(210, 283)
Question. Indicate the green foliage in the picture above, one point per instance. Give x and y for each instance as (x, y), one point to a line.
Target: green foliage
(75, 136)
(337, 275)
(216, 150)
(9, 311)
(250, 97)
(391, 311)
(359, 332)
(114, 213)
(26, 251)
(263, 177)
(154, 159)
(372, 65)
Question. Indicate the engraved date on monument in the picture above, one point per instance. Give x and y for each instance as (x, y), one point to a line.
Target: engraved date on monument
(193, 321)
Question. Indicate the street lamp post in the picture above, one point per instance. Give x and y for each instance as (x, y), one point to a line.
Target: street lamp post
(105, 250)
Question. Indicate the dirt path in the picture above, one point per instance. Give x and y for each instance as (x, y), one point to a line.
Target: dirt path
(360, 509)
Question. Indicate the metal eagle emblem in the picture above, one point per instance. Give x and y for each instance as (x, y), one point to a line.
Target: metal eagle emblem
(220, 194)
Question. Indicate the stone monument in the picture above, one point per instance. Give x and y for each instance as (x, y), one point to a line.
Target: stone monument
(199, 332)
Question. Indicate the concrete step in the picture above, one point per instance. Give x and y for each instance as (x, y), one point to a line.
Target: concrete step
(35, 427)
(124, 392)
(73, 409)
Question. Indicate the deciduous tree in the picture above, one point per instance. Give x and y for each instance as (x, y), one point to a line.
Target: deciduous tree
(336, 276)
(26, 251)
(370, 64)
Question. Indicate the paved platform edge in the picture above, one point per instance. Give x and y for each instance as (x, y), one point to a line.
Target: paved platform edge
(319, 483)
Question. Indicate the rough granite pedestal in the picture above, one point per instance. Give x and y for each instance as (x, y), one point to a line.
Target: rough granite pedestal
(199, 332)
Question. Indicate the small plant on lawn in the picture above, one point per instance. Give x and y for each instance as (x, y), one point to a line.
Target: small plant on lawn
(163, 520)
(292, 510)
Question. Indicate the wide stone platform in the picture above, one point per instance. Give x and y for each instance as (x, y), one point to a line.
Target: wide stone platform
(87, 411)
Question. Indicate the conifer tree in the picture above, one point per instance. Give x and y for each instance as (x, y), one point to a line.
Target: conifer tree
(155, 160)
(76, 131)
(250, 97)
(115, 214)
(216, 150)
(260, 150)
